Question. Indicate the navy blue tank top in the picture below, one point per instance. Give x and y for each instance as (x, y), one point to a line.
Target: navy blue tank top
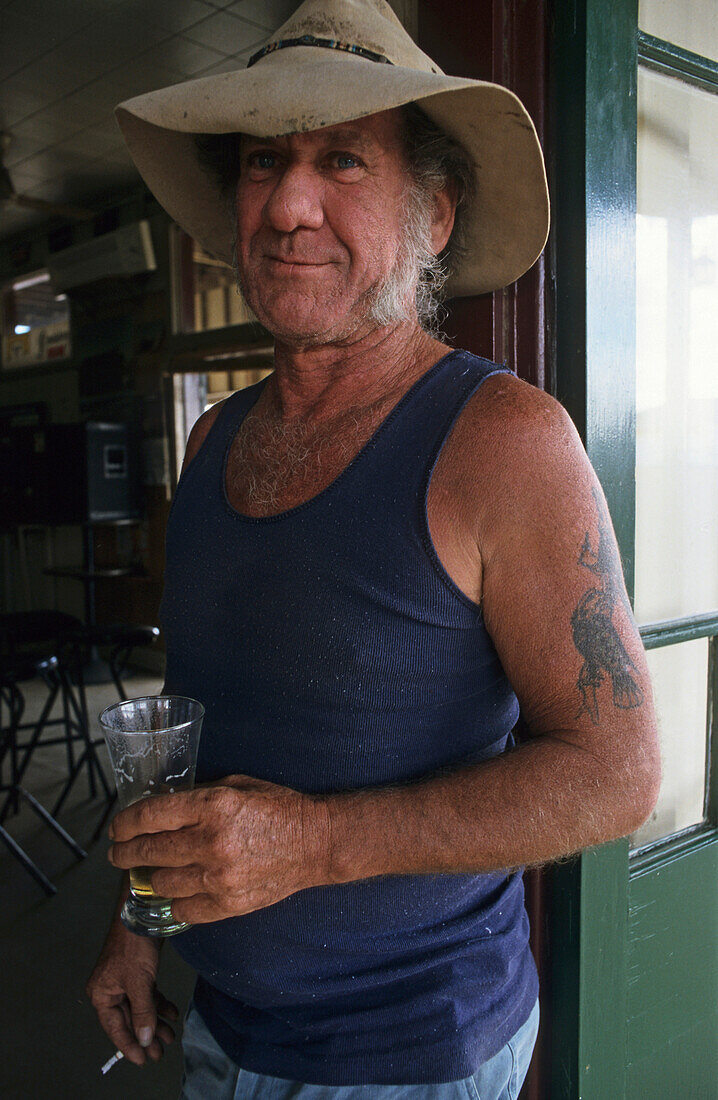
(332, 650)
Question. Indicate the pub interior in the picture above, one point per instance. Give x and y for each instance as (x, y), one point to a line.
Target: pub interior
(117, 332)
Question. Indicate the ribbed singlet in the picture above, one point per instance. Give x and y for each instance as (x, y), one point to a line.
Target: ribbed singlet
(332, 650)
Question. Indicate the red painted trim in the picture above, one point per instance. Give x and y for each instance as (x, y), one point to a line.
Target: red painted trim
(504, 41)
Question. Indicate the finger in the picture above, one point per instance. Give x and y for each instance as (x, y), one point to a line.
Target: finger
(243, 783)
(182, 882)
(143, 1013)
(127, 1016)
(158, 814)
(114, 1024)
(200, 909)
(155, 1050)
(164, 1034)
(178, 848)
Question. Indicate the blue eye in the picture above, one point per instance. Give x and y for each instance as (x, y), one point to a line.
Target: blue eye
(262, 160)
(346, 160)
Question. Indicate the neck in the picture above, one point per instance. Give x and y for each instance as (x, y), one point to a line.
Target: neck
(317, 383)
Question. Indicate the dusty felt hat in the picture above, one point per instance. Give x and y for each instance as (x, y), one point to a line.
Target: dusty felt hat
(333, 61)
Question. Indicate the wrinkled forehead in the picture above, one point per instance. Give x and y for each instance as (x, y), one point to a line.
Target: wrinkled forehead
(381, 132)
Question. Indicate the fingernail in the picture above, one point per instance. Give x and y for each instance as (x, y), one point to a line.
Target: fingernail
(144, 1036)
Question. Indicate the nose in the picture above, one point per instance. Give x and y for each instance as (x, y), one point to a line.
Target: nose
(295, 201)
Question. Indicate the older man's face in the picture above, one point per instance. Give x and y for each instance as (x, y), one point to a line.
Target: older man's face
(319, 225)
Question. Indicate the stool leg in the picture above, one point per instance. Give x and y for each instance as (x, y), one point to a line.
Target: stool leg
(27, 863)
(68, 730)
(70, 781)
(117, 663)
(18, 709)
(8, 734)
(15, 702)
(85, 724)
(88, 757)
(54, 825)
(19, 771)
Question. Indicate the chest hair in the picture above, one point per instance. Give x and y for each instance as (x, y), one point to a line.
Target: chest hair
(276, 463)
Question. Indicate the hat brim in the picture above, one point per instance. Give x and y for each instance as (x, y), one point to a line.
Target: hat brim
(508, 219)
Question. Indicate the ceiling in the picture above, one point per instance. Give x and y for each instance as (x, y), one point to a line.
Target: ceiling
(65, 66)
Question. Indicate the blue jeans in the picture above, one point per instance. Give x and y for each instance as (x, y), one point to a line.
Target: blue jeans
(211, 1075)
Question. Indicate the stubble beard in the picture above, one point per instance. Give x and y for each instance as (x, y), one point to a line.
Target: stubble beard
(394, 299)
(289, 335)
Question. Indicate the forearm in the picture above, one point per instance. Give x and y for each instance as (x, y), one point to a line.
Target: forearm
(544, 800)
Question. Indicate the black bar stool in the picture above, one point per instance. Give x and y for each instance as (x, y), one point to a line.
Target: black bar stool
(70, 643)
(61, 645)
(28, 638)
(121, 639)
(13, 702)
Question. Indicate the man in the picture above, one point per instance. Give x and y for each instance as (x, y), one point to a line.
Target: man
(373, 558)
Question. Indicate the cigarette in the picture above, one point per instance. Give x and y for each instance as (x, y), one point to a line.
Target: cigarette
(111, 1061)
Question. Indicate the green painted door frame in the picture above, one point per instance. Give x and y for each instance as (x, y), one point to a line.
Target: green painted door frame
(614, 922)
(594, 216)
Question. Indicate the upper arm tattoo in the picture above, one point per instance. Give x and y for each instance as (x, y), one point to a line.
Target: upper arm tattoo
(594, 634)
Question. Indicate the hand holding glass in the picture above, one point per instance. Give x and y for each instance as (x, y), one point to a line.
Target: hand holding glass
(153, 744)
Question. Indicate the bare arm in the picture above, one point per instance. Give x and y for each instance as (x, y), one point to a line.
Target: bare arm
(555, 605)
(122, 989)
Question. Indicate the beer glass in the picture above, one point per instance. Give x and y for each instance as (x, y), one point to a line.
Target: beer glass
(153, 744)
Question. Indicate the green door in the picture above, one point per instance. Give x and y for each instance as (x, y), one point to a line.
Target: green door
(633, 989)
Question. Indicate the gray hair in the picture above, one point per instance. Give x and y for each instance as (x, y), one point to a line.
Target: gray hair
(416, 281)
(435, 161)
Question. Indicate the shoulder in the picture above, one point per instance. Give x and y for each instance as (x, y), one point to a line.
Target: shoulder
(200, 430)
(523, 462)
(509, 429)
(513, 410)
(512, 424)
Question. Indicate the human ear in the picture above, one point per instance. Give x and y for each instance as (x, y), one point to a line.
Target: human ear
(443, 220)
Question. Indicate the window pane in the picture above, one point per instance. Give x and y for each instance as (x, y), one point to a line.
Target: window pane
(194, 393)
(677, 334)
(205, 291)
(692, 24)
(680, 682)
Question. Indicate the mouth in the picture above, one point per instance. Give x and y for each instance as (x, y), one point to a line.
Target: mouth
(284, 261)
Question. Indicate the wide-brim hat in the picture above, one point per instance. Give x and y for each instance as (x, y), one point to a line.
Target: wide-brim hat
(333, 61)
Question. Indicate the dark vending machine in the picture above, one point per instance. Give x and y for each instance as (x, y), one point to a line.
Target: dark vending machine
(68, 473)
(85, 474)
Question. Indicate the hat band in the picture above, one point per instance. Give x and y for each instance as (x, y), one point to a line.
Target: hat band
(325, 43)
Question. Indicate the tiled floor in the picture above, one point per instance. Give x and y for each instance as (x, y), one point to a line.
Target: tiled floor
(51, 1046)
